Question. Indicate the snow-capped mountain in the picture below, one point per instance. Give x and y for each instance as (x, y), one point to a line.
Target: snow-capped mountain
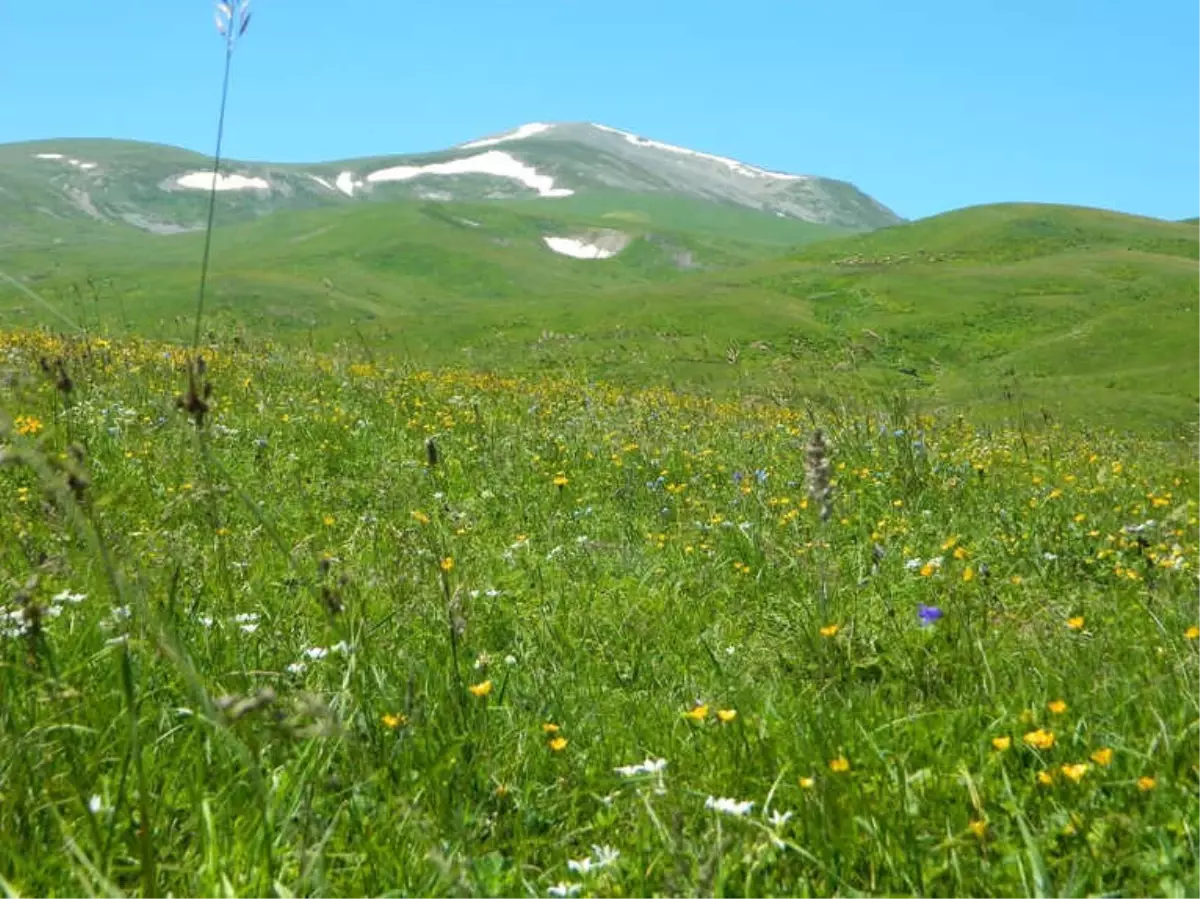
(158, 188)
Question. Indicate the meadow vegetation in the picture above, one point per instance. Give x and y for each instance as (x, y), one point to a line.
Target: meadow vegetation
(325, 623)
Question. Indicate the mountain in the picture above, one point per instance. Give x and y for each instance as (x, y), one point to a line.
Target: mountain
(67, 183)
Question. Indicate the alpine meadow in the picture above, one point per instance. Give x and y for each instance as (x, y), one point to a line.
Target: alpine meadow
(570, 513)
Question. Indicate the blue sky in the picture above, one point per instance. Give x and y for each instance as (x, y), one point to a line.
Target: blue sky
(927, 106)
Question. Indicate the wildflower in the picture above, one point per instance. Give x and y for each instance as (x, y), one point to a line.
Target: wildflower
(1040, 739)
(603, 856)
(649, 766)
(447, 564)
(1146, 784)
(68, 597)
(778, 819)
(1045, 778)
(697, 712)
(1076, 623)
(1192, 633)
(328, 520)
(979, 828)
(579, 866)
(968, 574)
(928, 614)
(960, 553)
(816, 469)
(96, 805)
(1076, 772)
(830, 630)
(1056, 706)
(561, 480)
(391, 722)
(420, 517)
(28, 425)
(562, 890)
(726, 715)
(316, 652)
(1001, 744)
(1102, 757)
(296, 668)
(558, 744)
(249, 628)
(839, 765)
(729, 806)
(481, 689)
(807, 783)
(510, 660)
(549, 728)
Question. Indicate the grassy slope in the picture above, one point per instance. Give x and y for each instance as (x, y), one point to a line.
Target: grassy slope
(1039, 739)
(1084, 313)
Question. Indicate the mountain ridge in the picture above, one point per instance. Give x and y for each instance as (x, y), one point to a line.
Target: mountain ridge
(159, 187)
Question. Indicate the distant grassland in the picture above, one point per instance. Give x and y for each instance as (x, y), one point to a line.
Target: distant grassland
(1011, 312)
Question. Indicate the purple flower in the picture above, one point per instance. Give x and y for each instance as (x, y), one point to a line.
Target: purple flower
(928, 614)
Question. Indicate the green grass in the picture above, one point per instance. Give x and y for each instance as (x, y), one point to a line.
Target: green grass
(604, 559)
(1081, 315)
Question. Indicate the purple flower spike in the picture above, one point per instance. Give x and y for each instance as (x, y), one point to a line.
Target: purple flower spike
(928, 614)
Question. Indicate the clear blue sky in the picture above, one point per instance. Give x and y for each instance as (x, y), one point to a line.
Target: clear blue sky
(927, 106)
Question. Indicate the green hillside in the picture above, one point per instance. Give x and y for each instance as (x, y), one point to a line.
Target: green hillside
(1012, 309)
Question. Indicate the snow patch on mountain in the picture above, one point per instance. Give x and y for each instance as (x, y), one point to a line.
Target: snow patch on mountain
(501, 165)
(345, 183)
(321, 181)
(603, 244)
(204, 181)
(516, 134)
(79, 164)
(740, 168)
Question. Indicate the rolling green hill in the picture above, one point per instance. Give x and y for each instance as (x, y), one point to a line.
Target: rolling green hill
(1011, 310)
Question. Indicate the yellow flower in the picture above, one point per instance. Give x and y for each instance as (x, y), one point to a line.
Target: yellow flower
(926, 570)
(1146, 784)
(391, 722)
(968, 573)
(979, 828)
(1103, 757)
(726, 715)
(1040, 739)
(950, 542)
(1076, 623)
(1075, 772)
(1192, 633)
(549, 728)
(960, 552)
(482, 689)
(839, 765)
(1000, 744)
(560, 480)
(1056, 706)
(420, 517)
(807, 782)
(1045, 778)
(328, 520)
(447, 564)
(28, 425)
(697, 713)
(558, 744)
(830, 630)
